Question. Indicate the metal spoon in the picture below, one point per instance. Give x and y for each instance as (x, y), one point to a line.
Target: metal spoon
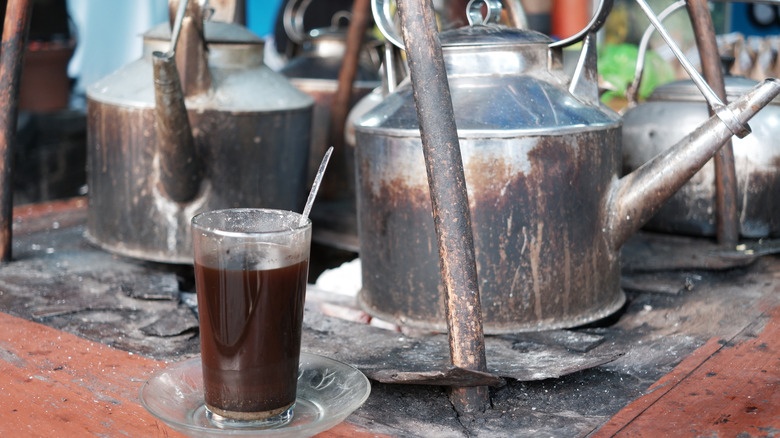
(316, 186)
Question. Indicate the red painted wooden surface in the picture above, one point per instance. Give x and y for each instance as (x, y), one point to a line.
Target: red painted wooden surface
(722, 389)
(54, 384)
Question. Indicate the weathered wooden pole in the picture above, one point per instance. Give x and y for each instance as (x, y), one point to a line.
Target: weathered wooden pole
(446, 180)
(15, 29)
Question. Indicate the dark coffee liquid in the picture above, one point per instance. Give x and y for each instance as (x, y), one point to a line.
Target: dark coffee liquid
(250, 328)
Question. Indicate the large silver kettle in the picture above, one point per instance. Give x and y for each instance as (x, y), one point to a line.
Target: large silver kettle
(673, 110)
(198, 123)
(541, 157)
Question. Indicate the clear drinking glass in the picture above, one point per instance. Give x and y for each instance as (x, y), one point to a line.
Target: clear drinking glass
(251, 269)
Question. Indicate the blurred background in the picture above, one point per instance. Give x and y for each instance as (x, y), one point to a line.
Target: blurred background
(73, 43)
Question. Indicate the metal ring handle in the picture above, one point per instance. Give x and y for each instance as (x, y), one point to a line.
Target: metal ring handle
(723, 112)
(292, 19)
(380, 9)
(382, 17)
(474, 12)
(598, 20)
(381, 12)
(632, 92)
(335, 20)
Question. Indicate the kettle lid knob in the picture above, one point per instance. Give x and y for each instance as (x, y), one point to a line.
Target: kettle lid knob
(474, 12)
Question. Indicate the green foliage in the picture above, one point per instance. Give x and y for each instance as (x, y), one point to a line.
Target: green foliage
(616, 66)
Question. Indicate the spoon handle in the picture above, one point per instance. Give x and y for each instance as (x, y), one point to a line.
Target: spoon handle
(316, 186)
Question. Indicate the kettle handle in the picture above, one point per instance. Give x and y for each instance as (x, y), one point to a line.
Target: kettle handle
(595, 24)
(632, 92)
(380, 9)
(474, 12)
(723, 112)
(292, 18)
(382, 18)
(584, 80)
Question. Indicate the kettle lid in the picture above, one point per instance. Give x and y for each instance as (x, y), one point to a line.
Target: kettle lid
(502, 107)
(492, 36)
(501, 85)
(685, 90)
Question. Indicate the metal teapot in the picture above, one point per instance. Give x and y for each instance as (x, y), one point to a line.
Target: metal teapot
(541, 157)
(315, 70)
(672, 111)
(198, 123)
(669, 114)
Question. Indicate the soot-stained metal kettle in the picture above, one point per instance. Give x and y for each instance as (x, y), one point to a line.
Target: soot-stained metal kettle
(669, 114)
(198, 123)
(541, 157)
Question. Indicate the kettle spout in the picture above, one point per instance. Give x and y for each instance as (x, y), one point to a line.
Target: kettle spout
(179, 167)
(636, 197)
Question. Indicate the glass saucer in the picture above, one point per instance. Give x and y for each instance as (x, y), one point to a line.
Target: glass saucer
(328, 391)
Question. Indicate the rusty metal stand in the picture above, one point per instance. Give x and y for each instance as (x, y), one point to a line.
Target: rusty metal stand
(15, 30)
(361, 13)
(340, 106)
(446, 180)
(727, 218)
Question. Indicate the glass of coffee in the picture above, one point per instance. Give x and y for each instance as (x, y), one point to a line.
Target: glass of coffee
(251, 268)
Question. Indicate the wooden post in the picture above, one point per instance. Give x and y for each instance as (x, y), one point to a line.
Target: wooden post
(15, 30)
(446, 180)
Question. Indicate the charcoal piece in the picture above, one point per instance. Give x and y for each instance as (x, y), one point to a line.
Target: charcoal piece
(172, 323)
(571, 340)
(153, 287)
